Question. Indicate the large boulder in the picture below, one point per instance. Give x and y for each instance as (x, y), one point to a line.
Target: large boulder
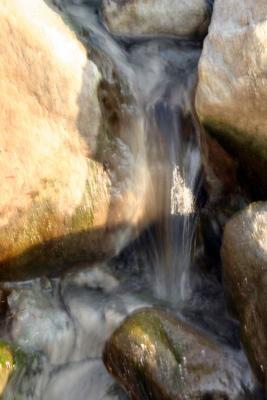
(59, 203)
(157, 356)
(169, 17)
(231, 98)
(244, 255)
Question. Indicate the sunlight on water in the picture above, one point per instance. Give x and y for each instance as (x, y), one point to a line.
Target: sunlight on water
(182, 198)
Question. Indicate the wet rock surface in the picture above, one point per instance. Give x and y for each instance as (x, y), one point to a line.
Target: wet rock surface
(244, 255)
(157, 356)
(96, 125)
(6, 365)
(61, 327)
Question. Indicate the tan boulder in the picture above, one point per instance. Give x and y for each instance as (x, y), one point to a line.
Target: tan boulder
(231, 98)
(144, 17)
(58, 204)
(244, 256)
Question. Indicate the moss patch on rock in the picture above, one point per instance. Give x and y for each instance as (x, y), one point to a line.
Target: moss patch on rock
(7, 363)
(40, 238)
(157, 356)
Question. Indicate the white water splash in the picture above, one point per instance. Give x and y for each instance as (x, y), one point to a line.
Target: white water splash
(182, 198)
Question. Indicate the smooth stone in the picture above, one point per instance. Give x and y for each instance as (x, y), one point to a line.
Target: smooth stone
(244, 256)
(154, 355)
(73, 187)
(231, 93)
(155, 17)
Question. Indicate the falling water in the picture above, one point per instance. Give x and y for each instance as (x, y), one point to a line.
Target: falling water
(161, 75)
(167, 72)
(64, 323)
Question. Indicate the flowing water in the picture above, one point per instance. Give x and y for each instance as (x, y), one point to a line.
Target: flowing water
(63, 323)
(161, 76)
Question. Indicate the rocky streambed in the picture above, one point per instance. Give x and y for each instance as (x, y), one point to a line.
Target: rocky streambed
(132, 207)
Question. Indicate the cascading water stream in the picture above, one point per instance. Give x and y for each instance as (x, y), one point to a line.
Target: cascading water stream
(161, 74)
(66, 322)
(167, 72)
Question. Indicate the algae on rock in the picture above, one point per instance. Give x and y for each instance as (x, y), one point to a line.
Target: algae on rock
(155, 355)
(6, 365)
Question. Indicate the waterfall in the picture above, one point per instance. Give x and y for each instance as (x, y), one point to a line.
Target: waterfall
(167, 72)
(70, 318)
(161, 75)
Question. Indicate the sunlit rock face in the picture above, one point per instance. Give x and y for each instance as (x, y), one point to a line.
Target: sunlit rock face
(244, 255)
(231, 96)
(157, 356)
(58, 203)
(171, 17)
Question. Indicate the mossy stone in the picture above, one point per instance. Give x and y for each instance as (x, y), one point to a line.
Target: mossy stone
(6, 365)
(156, 356)
(41, 241)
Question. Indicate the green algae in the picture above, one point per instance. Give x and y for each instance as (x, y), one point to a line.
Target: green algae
(6, 358)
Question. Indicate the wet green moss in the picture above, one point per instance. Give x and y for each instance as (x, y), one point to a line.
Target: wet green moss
(6, 357)
(12, 355)
(156, 356)
(148, 326)
(7, 365)
(143, 355)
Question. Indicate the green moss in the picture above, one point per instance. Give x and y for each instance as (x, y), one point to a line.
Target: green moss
(83, 217)
(6, 357)
(152, 326)
(12, 354)
(146, 330)
(43, 235)
(6, 363)
(24, 365)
